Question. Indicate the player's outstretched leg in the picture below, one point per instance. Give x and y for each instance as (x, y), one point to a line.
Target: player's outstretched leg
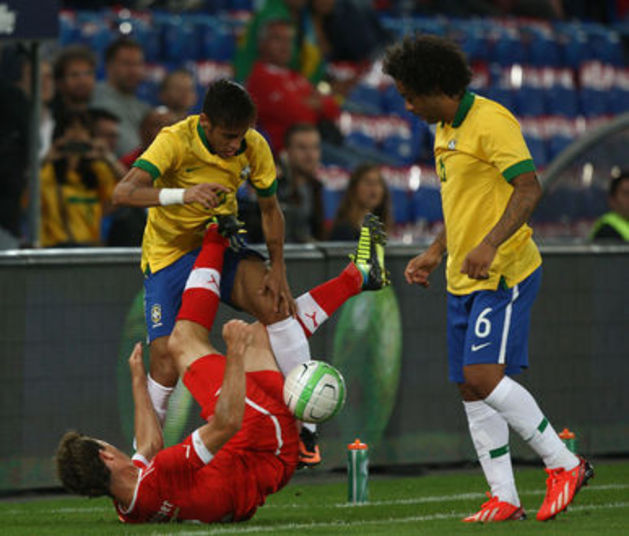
(496, 510)
(562, 486)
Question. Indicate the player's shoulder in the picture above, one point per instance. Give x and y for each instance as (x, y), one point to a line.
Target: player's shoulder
(488, 110)
(184, 129)
(256, 142)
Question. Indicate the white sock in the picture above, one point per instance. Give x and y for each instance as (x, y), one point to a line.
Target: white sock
(490, 434)
(160, 394)
(519, 409)
(289, 344)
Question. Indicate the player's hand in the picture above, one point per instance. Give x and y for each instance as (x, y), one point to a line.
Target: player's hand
(238, 336)
(419, 268)
(276, 284)
(477, 262)
(209, 194)
(136, 363)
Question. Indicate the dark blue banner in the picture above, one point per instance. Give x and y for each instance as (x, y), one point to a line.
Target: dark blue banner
(29, 19)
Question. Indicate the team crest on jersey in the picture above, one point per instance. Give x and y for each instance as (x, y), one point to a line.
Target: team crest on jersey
(156, 315)
(452, 145)
(245, 173)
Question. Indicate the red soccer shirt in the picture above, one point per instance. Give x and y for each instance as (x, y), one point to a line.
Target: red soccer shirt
(257, 461)
(282, 97)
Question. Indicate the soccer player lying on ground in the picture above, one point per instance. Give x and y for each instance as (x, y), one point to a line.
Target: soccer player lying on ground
(249, 447)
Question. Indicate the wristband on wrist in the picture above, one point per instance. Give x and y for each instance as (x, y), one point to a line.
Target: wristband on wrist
(171, 196)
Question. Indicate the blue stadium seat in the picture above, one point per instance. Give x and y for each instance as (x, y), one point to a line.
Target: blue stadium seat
(331, 198)
(537, 147)
(426, 205)
(556, 144)
(618, 100)
(508, 50)
(562, 101)
(594, 102)
(365, 99)
(503, 96)
(392, 101)
(402, 148)
(544, 51)
(360, 140)
(530, 101)
(400, 200)
(178, 41)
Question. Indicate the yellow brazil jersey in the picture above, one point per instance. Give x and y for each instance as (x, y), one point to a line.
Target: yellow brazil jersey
(71, 211)
(476, 156)
(181, 157)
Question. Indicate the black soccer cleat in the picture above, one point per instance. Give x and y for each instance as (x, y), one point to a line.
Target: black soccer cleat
(369, 256)
(230, 227)
(309, 454)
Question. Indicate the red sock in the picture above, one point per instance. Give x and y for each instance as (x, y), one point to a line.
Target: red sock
(202, 293)
(314, 307)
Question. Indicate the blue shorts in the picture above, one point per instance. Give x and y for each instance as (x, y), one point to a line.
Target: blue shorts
(491, 326)
(163, 289)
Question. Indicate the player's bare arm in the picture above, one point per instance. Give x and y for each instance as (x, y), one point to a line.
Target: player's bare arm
(136, 190)
(275, 282)
(419, 268)
(230, 407)
(148, 432)
(526, 194)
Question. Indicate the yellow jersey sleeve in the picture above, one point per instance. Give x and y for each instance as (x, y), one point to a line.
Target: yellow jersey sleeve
(263, 173)
(504, 145)
(162, 155)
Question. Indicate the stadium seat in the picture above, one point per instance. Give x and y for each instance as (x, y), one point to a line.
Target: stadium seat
(365, 99)
(402, 148)
(537, 147)
(530, 101)
(400, 199)
(594, 102)
(426, 205)
(562, 101)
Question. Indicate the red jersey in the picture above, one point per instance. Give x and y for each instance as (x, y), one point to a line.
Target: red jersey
(281, 96)
(257, 461)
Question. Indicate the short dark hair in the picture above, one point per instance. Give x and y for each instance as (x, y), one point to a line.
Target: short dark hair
(79, 466)
(96, 114)
(297, 128)
(617, 178)
(118, 44)
(227, 104)
(70, 54)
(428, 65)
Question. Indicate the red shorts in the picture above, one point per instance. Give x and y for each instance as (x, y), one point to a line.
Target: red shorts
(268, 425)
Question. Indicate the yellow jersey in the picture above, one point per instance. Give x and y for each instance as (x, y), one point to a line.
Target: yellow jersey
(181, 157)
(476, 156)
(71, 211)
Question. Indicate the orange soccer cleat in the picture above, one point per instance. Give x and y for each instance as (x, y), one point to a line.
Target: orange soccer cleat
(562, 486)
(309, 454)
(496, 510)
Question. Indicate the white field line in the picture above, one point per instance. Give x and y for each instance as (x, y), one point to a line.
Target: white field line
(240, 529)
(414, 500)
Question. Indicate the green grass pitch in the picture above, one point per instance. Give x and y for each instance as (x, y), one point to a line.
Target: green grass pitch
(428, 505)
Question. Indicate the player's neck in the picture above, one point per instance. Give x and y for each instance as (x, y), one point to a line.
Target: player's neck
(123, 485)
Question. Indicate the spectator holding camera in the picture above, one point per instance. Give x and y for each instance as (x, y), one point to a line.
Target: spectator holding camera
(366, 192)
(76, 185)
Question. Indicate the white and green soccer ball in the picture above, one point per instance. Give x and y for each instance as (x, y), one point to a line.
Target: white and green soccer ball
(314, 391)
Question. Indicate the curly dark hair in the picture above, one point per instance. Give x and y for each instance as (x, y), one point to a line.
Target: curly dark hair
(428, 65)
(227, 104)
(79, 466)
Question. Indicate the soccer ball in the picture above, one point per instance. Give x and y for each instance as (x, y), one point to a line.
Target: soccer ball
(314, 391)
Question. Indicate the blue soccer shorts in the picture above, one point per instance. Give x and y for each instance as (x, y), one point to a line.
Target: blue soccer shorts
(491, 326)
(163, 289)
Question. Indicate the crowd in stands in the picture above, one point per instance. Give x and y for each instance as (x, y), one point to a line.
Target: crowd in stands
(343, 140)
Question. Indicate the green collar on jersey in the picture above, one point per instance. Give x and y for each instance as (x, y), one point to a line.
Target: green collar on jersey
(464, 107)
(206, 143)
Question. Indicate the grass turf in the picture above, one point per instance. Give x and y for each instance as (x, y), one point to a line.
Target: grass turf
(429, 505)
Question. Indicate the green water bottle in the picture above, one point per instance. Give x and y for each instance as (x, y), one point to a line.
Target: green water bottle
(357, 472)
(569, 439)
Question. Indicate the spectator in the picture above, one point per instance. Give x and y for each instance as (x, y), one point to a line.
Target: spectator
(178, 93)
(346, 31)
(76, 186)
(46, 120)
(300, 191)
(366, 192)
(614, 225)
(284, 96)
(74, 73)
(124, 63)
(105, 127)
(126, 226)
(152, 123)
(248, 51)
